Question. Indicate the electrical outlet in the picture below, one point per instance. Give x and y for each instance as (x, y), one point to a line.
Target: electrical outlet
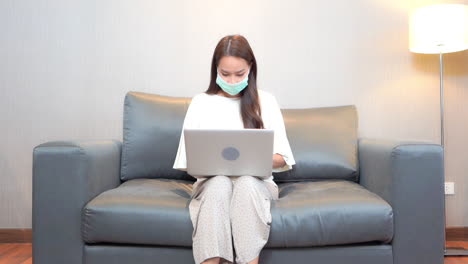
(449, 188)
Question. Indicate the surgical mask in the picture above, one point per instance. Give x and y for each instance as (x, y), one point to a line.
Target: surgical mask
(232, 88)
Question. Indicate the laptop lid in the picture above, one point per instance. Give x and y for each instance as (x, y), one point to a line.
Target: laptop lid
(229, 152)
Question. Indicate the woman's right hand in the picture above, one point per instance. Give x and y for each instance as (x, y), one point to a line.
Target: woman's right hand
(278, 161)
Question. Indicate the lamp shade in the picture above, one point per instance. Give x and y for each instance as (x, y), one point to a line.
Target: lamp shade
(439, 29)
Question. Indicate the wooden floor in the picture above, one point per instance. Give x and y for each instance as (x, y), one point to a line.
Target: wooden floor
(20, 253)
(16, 253)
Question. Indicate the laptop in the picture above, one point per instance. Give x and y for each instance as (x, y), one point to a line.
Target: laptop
(229, 152)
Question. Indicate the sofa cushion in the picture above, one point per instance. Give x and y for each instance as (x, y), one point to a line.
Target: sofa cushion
(309, 213)
(324, 143)
(140, 211)
(151, 132)
(328, 212)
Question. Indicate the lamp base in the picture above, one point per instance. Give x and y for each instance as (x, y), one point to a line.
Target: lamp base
(455, 251)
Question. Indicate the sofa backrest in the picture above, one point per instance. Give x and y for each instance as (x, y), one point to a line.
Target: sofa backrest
(323, 140)
(151, 132)
(324, 143)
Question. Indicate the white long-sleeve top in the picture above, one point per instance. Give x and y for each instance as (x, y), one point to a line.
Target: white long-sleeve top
(209, 111)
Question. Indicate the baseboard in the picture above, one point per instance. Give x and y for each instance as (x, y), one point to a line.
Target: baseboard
(12, 235)
(456, 233)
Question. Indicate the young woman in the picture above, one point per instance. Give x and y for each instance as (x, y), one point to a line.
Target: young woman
(231, 215)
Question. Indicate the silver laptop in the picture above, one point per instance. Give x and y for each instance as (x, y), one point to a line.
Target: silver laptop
(229, 152)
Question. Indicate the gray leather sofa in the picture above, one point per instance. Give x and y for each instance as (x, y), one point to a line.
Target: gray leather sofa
(347, 199)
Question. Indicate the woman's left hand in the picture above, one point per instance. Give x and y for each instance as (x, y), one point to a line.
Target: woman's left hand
(278, 161)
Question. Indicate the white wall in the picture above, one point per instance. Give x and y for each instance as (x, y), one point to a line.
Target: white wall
(65, 67)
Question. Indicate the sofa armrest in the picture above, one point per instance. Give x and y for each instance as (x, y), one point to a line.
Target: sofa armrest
(66, 175)
(410, 177)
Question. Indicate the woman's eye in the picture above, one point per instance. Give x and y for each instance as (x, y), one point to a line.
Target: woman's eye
(238, 75)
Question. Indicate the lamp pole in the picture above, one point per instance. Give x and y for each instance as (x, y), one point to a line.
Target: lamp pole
(450, 251)
(441, 63)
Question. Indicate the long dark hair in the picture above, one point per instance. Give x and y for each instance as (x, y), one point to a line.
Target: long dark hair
(238, 46)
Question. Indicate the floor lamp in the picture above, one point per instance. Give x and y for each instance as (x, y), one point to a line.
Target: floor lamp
(439, 29)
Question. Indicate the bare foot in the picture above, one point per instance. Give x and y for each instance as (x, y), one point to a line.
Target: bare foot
(212, 261)
(255, 261)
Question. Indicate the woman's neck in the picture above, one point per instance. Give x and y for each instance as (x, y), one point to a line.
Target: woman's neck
(223, 93)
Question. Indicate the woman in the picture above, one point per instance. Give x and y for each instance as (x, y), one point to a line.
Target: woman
(231, 215)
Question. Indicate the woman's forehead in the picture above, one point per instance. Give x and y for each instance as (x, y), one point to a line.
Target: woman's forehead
(232, 64)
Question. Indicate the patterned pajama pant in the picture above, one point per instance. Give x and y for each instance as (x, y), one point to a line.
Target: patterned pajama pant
(231, 218)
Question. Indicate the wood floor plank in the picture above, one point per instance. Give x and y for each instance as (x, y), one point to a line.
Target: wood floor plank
(15, 253)
(4, 248)
(457, 244)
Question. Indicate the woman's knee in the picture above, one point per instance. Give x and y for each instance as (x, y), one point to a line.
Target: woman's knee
(249, 188)
(247, 182)
(219, 186)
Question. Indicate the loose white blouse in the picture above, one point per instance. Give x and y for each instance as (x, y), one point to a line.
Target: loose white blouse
(219, 112)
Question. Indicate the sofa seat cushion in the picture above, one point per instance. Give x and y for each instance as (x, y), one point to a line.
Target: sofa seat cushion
(314, 213)
(328, 212)
(141, 211)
